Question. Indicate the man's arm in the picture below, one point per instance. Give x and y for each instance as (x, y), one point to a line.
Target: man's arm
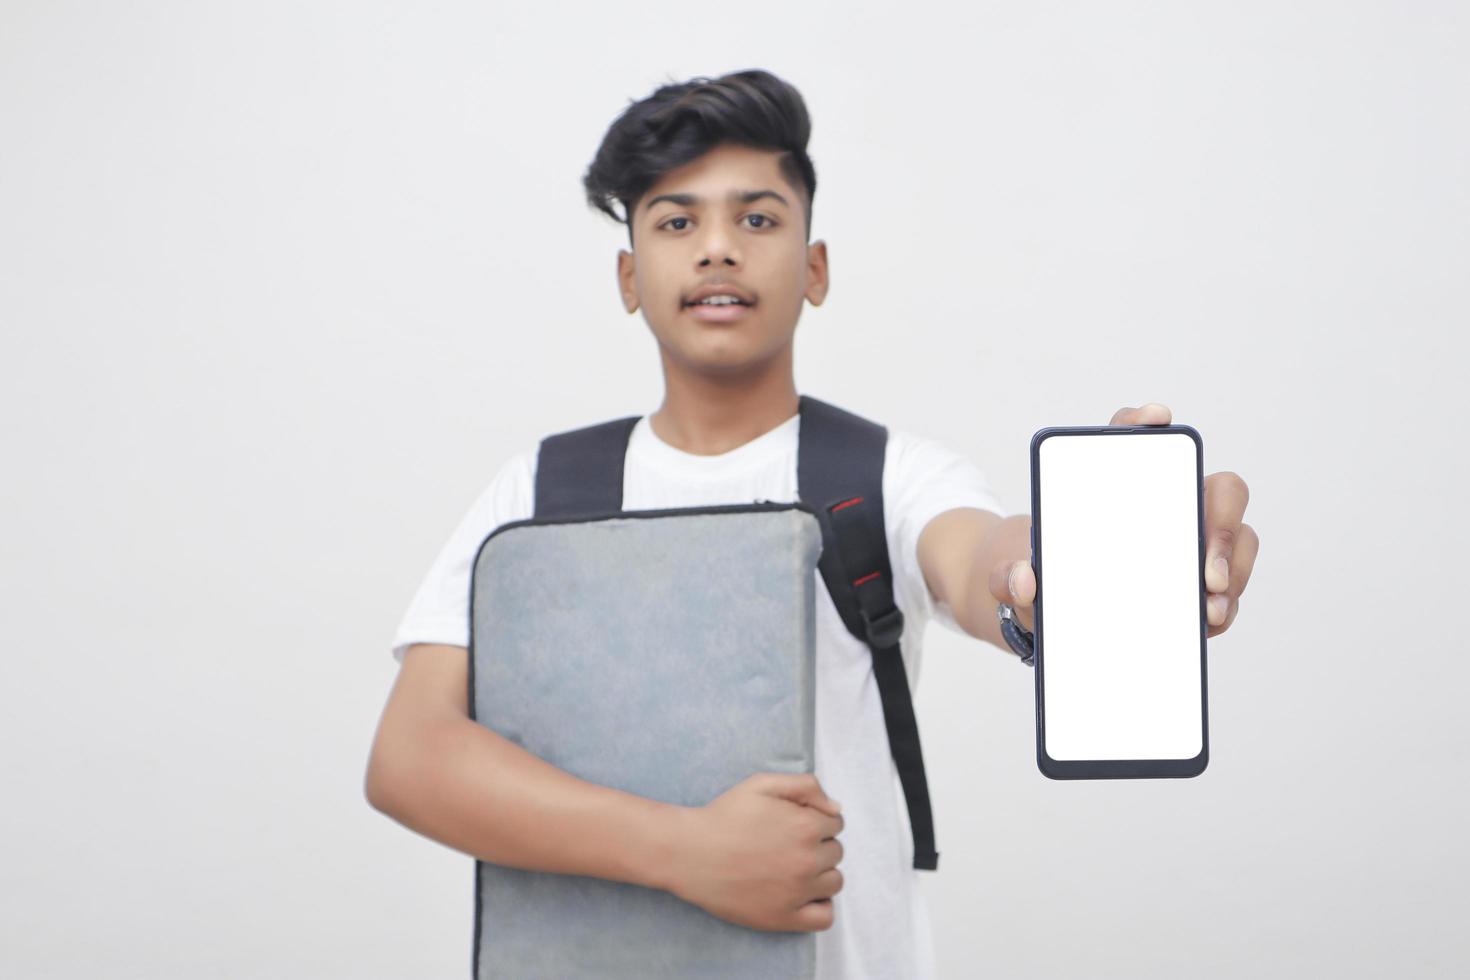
(762, 854)
(958, 551)
(968, 554)
(441, 773)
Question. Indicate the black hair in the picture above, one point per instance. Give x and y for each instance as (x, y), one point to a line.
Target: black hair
(682, 121)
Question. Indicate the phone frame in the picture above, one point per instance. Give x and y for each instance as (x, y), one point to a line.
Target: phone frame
(1117, 768)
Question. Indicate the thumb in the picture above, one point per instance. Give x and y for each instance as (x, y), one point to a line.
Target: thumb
(1013, 582)
(801, 788)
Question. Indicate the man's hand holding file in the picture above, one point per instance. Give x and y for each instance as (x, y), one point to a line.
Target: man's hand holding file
(762, 854)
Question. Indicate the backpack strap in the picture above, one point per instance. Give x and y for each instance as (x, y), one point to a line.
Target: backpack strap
(839, 474)
(581, 471)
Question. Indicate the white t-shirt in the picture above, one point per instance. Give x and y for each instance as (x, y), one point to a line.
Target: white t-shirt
(880, 924)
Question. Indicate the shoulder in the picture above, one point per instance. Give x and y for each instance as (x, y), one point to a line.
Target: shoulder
(512, 492)
(923, 478)
(920, 468)
(908, 451)
(509, 496)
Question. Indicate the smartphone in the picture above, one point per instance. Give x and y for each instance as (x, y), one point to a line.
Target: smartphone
(1118, 549)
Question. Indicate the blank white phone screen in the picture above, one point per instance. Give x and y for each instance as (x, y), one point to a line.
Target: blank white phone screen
(1120, 596)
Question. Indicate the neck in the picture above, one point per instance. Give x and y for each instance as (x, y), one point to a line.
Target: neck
(707, 415)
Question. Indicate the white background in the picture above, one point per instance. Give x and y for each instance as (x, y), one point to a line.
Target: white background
(283, 284)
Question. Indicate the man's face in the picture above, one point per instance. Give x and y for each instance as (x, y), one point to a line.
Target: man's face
(689, 234)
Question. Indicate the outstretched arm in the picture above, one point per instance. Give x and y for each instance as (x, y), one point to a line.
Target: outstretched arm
(960, 550)
(973, 559)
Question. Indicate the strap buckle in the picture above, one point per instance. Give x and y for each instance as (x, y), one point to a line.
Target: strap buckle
(885, 630)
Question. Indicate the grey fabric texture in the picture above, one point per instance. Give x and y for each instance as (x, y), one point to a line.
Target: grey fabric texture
(669, 655)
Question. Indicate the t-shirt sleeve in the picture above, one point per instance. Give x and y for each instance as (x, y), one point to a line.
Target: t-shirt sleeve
(440, 609)
(925, 479)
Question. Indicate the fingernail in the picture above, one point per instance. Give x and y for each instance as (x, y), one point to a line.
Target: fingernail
(835, 805)
(1218, 605)
(1223, 568)
(1011, 580)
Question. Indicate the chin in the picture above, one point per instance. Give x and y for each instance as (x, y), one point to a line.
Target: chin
(715, 349)
(725, 360)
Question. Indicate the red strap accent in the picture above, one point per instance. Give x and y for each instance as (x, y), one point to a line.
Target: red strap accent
(870, 576)
(847, 503)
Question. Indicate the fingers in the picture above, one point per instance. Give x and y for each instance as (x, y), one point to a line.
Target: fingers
(1244, 559)
(826, 884)
(1226, 496)
(829, 853)
(1150, 414)
(826, 826)
(1241, 564)
(1230, 618)
(1229, 546)
(815, 916)
(800, 788)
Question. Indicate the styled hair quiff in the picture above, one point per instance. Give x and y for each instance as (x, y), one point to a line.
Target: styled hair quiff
(680, 122)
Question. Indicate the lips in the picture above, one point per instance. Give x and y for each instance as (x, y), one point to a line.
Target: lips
(723, 312)
(719, 288)
(717, 314)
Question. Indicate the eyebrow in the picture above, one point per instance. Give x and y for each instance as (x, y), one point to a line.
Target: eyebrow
(694, 200)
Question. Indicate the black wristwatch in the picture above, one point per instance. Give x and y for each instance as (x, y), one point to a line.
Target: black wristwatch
(1019, 637)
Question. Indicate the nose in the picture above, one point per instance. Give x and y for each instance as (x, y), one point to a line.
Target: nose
(717, 246)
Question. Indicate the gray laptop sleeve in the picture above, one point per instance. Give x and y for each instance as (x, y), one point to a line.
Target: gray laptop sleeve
(666, 653)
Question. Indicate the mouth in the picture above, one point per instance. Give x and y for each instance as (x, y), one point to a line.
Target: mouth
(724, 313)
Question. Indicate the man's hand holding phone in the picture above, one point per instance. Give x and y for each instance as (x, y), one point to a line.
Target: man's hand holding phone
(1230, 553)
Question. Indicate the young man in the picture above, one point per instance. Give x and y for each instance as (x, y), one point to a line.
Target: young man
(717, 190)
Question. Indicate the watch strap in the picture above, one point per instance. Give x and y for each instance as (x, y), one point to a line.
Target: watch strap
(1020, 639)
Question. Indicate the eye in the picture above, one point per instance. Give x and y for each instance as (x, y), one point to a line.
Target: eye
(765, 221)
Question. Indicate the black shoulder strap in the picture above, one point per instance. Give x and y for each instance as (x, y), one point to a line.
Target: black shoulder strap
(581, 471)
(839, 474)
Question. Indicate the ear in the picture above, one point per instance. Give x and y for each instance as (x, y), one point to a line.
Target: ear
(627, 285)
(816, 272)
